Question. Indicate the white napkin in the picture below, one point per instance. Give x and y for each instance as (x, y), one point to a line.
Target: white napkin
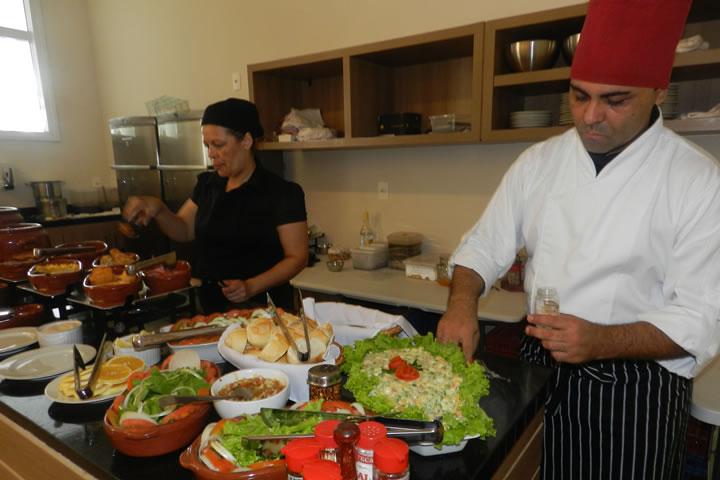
(696, 42)
(351, 322)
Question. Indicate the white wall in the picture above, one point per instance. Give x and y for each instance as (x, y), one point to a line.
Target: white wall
(79, 155)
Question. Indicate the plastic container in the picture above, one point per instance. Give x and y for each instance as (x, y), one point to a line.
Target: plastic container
(322, 470)
(63, 332)
(391, 460)
(403, 245)
(298, 453)
(422, 266)
(324, 434)
(449, 122)
(371, 258)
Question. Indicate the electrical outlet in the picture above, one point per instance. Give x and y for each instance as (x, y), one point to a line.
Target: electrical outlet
(383, 190)
(236, 81)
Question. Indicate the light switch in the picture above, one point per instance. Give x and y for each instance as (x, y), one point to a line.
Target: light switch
(236, 81)
(383, 190)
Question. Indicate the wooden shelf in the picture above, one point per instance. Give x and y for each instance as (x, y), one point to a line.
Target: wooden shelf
(428, 139)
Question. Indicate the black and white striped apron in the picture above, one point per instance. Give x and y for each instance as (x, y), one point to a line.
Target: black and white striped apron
(620, 419)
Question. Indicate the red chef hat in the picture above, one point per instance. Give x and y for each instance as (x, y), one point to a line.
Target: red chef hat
(629, 42)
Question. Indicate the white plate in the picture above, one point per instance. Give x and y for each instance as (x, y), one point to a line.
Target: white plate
(428, 449)
(53, 393)
(43, 363)
(16, 338)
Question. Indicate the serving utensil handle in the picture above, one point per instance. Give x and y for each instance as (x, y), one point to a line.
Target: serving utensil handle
(141, 342)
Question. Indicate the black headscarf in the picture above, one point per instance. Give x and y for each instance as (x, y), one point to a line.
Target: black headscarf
(236, 114)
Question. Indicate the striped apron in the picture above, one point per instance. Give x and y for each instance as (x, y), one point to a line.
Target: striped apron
(618, 419)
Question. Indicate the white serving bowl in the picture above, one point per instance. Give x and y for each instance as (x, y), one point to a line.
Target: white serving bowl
(63, 332)
(151, 356)
(206, 351)
(234, 408)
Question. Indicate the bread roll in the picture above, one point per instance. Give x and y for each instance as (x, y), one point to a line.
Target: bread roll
(237, 339)
(258, 331)
(318, 345)
(275, 347)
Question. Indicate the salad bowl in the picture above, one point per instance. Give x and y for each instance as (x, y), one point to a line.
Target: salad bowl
(134, 434)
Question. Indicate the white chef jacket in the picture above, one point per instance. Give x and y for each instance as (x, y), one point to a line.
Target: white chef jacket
(638, 242)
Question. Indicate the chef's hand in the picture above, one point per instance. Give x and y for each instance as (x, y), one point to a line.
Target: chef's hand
(237, 291)
(568, 338)
(141, 210)
(460, 328)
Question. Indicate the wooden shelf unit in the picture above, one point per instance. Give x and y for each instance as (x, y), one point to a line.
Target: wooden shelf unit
(430, 74)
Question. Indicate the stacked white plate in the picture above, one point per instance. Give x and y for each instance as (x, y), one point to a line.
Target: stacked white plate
(531, 118)
(670, 105)
(565, 115)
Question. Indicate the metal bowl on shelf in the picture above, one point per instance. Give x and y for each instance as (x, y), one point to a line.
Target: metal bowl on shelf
(529, 55)
(568, 47)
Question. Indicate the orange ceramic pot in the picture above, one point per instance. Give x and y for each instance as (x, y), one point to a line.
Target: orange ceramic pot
(9, 215)
(87, 258)
(28, 315)
(110, 295)
(55, 283)
(162, 279)
(17, 240)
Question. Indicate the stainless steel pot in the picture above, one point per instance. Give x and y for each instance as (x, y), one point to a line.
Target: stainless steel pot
(46, 189)
(51, 208)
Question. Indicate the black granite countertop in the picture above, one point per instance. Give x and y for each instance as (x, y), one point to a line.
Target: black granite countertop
(76, 431)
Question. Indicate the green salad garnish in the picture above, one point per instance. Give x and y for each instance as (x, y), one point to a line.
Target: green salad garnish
(471, 420)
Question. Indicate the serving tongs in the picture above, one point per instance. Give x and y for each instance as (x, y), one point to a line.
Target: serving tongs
(87, 391)
(54, 251)
(142, 342)
(302, 356)
(303, 320)
(169, 259)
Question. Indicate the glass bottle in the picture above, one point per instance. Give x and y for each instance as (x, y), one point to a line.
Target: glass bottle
(324, 382)
(347, 435)
(299, 452)
(547, 301)
(443, 271)
(367, 236)
(370, 433)
(325, 435)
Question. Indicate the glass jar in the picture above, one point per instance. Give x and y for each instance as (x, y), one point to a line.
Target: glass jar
(547, 301)
(391, 460)
(443, 271)
(324, 382)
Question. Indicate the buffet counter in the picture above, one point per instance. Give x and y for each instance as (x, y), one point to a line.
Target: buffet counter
(68, 441)
(391, 287)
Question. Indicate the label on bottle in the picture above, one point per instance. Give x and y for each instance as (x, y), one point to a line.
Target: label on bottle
(292, 476)
(364, 463)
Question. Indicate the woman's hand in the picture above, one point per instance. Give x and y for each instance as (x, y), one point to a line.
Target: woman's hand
(142, 209)
(237, 291)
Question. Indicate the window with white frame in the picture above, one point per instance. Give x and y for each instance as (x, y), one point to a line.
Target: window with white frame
(26, 106)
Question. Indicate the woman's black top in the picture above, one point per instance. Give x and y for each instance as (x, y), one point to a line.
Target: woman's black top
(236, 232)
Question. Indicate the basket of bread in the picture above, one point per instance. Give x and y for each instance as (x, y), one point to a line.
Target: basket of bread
(261, 343)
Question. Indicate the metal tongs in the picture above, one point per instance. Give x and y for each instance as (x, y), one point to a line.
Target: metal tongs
(169, 259)
(86, 392)
(142, 342)
(53, 251)
(303, 356)
(303, 320)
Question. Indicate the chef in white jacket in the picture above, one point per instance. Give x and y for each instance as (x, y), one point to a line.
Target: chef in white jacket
(622, 217)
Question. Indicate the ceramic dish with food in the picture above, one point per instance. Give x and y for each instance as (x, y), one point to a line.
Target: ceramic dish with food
(162, 278)
(111, 381)
(107, 289)
(62, 332)
(55, 275)
(206, 346)
(98, 248)
(16, 268)
(269, 388)
(261, 344)
(136, 424)
(117, 259)
(123, 346)
(420, 378)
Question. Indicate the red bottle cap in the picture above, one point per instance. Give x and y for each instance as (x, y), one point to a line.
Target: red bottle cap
(300, 451)
(391, 455)
(324, 433)
(370, 433)
(321, 470)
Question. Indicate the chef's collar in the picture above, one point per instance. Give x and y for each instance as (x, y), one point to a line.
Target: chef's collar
(601, 160)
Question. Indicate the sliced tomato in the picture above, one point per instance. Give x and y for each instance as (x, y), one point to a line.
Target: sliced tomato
(396, 362)
(116, 403)
(113, 418)
(332, 406)
(407, 372)
(198, 318)
(137, 424)
(266, 464)
(179, 414)
(221, 464)
(137, 375)
(203, 391)
(213, 316)
(218, 428)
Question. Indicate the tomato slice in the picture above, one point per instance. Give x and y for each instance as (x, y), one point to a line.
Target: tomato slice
(221, 464)
(137, 424)
(396, 362)
(407, 372)
(116, 403)
(180, 413)
(333, 406)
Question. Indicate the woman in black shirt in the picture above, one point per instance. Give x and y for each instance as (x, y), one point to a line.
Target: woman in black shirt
(248, 225)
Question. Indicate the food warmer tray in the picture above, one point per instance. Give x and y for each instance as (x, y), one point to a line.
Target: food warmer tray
(79, 298)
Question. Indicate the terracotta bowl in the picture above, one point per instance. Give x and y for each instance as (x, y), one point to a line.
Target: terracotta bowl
(55, 283)
(111, 295)
(161, 439)
(9, 215)
(28, 315)
(117, 267)
(86, 258)
(190, 459)
(20, 239)
(161, 279)
(17, 269)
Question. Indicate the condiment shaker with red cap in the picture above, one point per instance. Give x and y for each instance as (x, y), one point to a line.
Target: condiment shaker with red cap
(321, 470)
(391, 460)
(370, 433)
(298, 453)
(324, 434)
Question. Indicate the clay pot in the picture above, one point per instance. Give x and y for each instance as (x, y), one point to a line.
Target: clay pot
(9, 215)
(86, 258)
(162, 279)
(55, 283)
(17, 240)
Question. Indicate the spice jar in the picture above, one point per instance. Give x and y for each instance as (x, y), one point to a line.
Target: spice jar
(370, 434)
(391, 460)
(324, 382)
(322, 470)
(298, 453)
(324, 435)
(347, 435)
